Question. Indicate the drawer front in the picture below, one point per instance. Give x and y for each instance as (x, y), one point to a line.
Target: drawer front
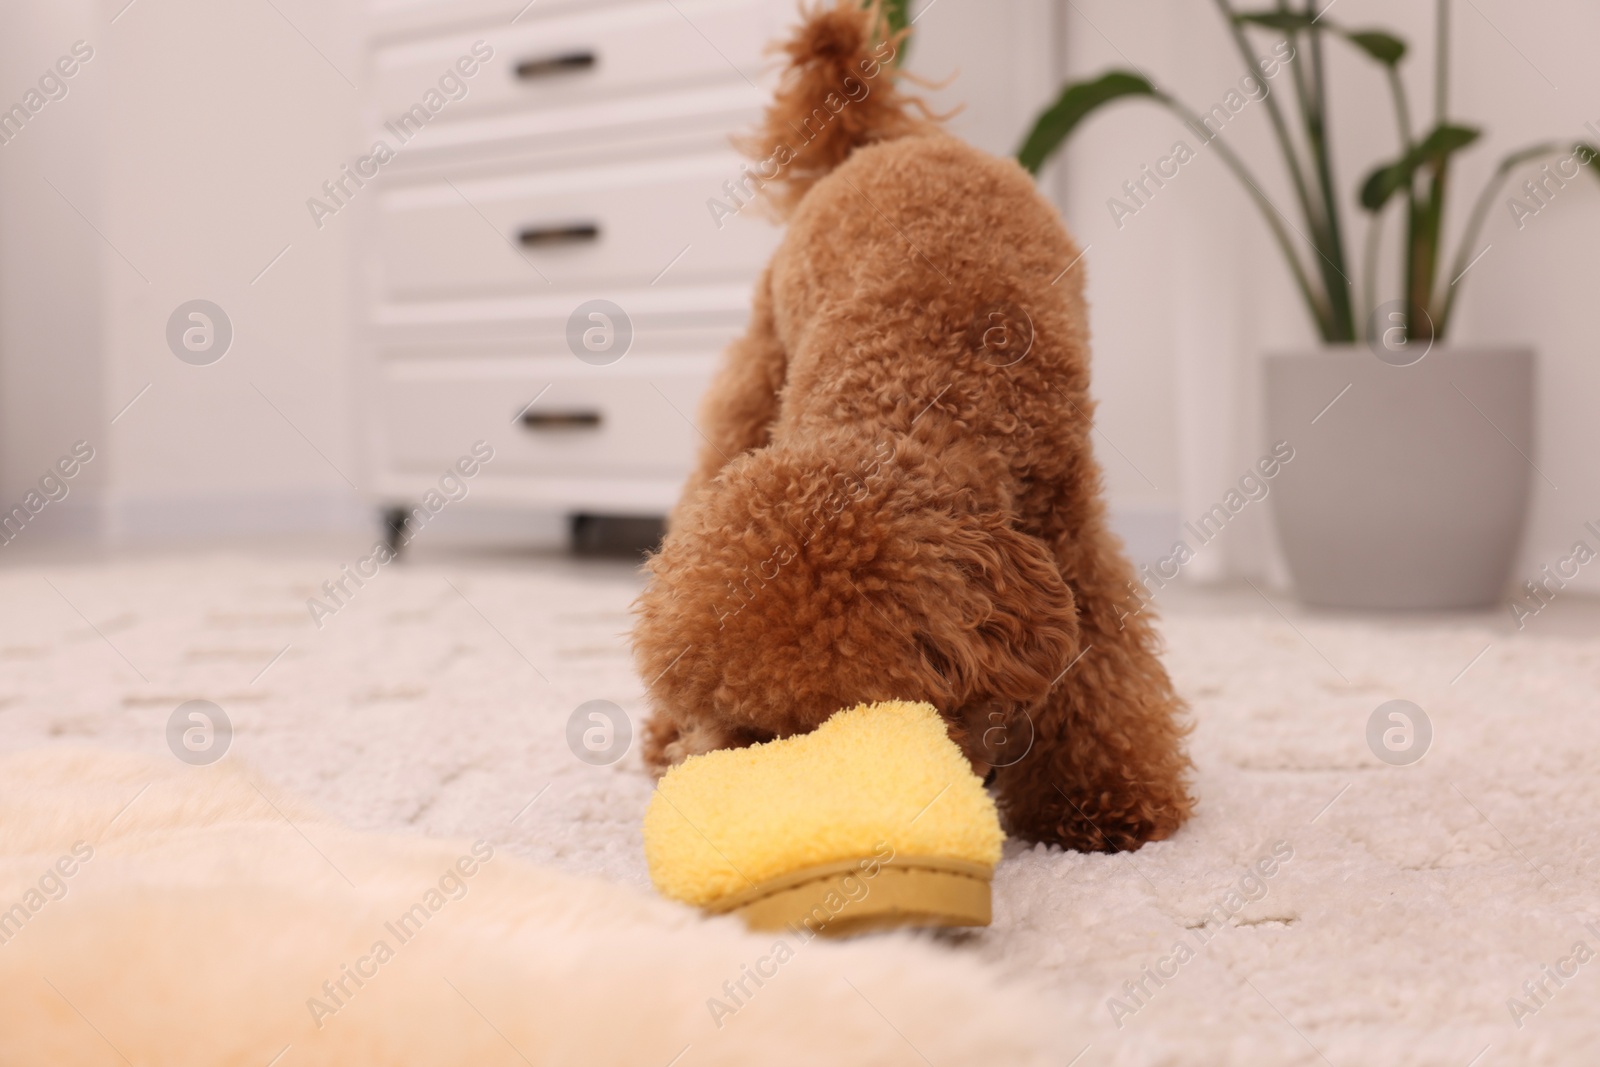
(664, 320)
(540, 423)
(550, 60)
(386, 19)
(543, 136)
(661, 221)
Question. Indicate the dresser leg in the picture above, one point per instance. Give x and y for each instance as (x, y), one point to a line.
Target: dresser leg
(395, 521)
(617, 536)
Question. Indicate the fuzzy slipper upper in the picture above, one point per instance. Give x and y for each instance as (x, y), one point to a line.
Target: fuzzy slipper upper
(874, 780)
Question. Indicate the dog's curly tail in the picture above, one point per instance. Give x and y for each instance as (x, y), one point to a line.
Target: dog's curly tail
(838, 92)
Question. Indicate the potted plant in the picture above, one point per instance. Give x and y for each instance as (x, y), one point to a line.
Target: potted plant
(1412, 467)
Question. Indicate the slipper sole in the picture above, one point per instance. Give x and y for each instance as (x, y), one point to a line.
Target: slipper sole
(840, 899)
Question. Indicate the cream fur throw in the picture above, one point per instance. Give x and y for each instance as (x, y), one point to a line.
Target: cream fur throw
(174, 916)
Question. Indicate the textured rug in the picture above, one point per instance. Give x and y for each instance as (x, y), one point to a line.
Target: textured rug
(1326, 905)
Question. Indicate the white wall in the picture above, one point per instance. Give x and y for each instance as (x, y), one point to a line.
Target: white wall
(1190, 291)
(991, 64)
(189, 144)
(224, 121)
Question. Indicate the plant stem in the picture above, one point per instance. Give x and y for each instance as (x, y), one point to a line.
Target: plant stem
(1332, 265)
(1302, 89)
(1441, 64)
(1402, 113)
(1427, 215)
(1370, 270)
(1315, 302)
(1480, 212)
(1290, 155)
(1375, 231)
(1423, 258)
(1402, 109)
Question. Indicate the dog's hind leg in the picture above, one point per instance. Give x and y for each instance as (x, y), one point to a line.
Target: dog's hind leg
(1107, 768)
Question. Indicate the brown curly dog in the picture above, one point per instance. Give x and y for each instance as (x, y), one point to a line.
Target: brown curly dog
(898, 498)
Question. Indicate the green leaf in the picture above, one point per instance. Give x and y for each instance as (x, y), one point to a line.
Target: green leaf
(1384, 47)
(895, 12)
(1276, 20)
(1445, 140)
(1076, 103)
(1433, 150)
(1589, 156)
(1383, 183)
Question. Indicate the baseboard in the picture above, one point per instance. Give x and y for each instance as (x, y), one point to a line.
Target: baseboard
(145, 520)
(472, 525)
(157, 520)
(161, 519)
(77, 520)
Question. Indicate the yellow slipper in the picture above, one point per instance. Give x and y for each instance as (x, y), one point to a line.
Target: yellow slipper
(872, 820)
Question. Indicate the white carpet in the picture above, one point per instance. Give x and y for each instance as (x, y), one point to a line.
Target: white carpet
(1417, 901)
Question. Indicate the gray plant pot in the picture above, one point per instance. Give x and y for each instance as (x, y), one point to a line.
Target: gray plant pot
(1410, 491)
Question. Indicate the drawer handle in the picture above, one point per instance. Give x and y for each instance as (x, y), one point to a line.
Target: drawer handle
(562, 234)
(561, 420)
(562, 63)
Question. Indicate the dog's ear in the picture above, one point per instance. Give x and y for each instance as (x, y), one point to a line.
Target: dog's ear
(997, 622)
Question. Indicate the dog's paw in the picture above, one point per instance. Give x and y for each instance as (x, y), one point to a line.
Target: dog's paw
(668, 743)
(697, 739)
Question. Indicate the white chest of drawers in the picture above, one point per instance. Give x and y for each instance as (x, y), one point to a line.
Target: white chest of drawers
(578, 161)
